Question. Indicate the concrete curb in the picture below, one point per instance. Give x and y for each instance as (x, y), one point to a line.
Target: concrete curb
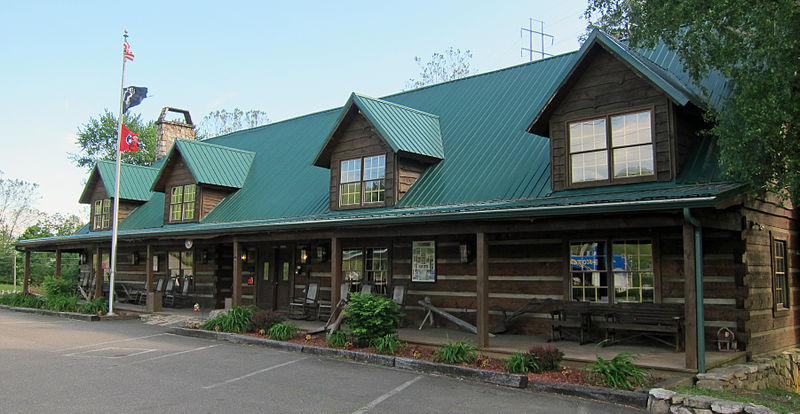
(491, 377)
(65, 315)
(631, 398)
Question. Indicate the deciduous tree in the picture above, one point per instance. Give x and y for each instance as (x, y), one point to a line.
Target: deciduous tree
(97, 140)
(221, 122)
(756, 46)
(442, 67)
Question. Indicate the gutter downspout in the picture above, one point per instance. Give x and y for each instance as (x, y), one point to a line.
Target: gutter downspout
(698, 265)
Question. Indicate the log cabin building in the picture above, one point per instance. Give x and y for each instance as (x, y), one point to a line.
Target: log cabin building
(580, 177)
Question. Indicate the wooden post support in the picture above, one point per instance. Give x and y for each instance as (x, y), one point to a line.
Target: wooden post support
(336, 270)
(482, 290)
(152, 299)
(148, 282)
(98, 273)
(236, 289)
(58, 263)
(27, 275)
(690, 297)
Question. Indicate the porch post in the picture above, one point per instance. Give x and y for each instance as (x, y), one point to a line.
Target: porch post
(58, 263)
(27, 275)
(98, 273)
(236, 291)
(336, 270)
(482, 278)
(150, 297)
(690, 297)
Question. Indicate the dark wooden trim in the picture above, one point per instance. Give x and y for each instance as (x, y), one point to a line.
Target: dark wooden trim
(149, 277)
(98, 273)
(58, 264)
(657, 288)
(690, 296)
(236, 292)
(482, 278)
(336, 269)
(26, 277)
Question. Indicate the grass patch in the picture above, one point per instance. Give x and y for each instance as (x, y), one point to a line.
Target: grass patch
(8, 286)
(778, 400)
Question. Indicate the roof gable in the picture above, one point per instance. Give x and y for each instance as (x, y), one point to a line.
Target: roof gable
(405, 130)
(209, 164)
(669, 78)
(135, 181)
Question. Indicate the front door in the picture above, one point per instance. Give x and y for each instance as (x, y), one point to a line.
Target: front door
(274, 277)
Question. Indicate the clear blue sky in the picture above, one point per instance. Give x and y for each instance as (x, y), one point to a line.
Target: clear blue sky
(60, 62)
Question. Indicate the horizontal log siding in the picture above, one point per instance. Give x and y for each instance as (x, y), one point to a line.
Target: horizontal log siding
(519, 270)
(607, 86)
(766, 328)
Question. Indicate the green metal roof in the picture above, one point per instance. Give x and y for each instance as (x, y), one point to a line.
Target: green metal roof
(134, 181)
(405, 130)
(493, 168)
(211, 164)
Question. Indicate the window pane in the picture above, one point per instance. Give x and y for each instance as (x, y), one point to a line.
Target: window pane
(633, 161)
(589, 166)
(373, 191)
(177, 195)
(588, 271)
(187, 263)
(174, 263)
(350, 171)
(631, 129)
(587, 135)
(374, 167)
(175, 212)
(352, 265)
(189, 191)
(188, 211)
(350, 194)
(634, 279)
(377, 269)
(106, 206)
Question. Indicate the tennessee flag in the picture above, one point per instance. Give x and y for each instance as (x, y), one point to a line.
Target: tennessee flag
(128, 141)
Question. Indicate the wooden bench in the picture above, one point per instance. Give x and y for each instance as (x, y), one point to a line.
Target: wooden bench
(573, 316)
(657, 321)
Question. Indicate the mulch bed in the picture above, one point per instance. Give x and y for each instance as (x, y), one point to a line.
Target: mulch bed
(486, 362)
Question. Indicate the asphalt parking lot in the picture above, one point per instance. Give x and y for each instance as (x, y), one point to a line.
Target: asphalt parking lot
(60, 365)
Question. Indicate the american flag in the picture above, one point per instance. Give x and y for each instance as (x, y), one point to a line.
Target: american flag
(127, 52)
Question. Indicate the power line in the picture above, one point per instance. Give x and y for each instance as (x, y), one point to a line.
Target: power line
(532, 32)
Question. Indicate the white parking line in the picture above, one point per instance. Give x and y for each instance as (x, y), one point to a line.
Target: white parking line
(109, 342)
(383, 397)
(174, 353)
(126, 352)
(208, 387)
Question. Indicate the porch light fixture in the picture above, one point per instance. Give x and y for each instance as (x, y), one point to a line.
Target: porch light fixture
(244, 256)
(204, 256)
(135, 258)
(303, 255)
(321, 253)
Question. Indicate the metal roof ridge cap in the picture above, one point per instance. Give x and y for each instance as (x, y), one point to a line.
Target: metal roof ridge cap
(220, 146)
(404, 107)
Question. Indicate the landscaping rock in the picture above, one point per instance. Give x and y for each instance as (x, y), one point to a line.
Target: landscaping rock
(656, 406)
(216, 312)
(757, 409)
(698, 401)
(679, 409)
(727, 407)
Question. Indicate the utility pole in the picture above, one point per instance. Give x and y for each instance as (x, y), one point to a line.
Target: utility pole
(532, 32)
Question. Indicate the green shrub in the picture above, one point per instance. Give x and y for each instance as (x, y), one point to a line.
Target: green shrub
(282, 331)
(264, 319)
(387, 344)
(456, 353)
(98, 306)
(337, 339)
(22, 300)
(520, 363)
(235, 320)
(619, 372)
(62, 303)
(56, 287)
(548, 358)
(371, 317)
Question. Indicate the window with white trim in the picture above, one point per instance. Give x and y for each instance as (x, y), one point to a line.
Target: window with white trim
(370, 266)
(623, 142)
(631, 264)
(362, 180)
(182, 203)
(780, 279)
(101, 219)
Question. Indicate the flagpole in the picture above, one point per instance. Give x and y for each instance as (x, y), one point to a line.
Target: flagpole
(115, 221)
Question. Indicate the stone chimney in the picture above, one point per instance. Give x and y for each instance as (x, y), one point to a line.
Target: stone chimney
(168, 131)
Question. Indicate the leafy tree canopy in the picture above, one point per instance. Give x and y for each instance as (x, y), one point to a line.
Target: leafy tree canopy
(221, 122)
(16, 198)
(442, 67)
(97, 140)
(755, 45)
(51, 226)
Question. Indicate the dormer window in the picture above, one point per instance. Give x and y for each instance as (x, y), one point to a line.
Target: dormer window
(362, 181)
(182, 203)
(623, 141)
(102, 214)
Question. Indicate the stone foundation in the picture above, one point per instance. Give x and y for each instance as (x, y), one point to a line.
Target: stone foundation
(661, 401)
(781, 371)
